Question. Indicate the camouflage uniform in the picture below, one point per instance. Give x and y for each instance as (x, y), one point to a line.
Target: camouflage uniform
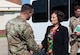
(20, 37)
(76, 40)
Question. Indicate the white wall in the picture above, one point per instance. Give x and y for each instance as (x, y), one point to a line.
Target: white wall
(5, 16)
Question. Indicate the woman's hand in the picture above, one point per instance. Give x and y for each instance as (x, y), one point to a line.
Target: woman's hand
(40, 46)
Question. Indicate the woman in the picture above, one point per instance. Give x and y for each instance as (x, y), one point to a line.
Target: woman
(56, 37)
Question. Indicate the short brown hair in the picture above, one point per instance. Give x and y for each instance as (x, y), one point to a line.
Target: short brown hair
(76, 7)
(60, 15)
(26, 7)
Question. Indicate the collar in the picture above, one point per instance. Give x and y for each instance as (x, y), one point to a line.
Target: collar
(77, 16)
(21, 18)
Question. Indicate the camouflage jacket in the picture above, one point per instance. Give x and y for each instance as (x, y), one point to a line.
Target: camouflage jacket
(72, 25)
(20, 37)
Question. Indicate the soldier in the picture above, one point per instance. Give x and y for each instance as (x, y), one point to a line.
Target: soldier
(20, 34)
(75, 34)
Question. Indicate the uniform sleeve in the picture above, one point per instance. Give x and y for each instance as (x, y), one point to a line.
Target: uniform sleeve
(10, 29)
(71, 31)
(31, 43)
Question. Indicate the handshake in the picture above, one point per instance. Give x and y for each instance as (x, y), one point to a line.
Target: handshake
(39, 47)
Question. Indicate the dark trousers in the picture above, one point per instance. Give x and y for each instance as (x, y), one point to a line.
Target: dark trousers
(42, 52)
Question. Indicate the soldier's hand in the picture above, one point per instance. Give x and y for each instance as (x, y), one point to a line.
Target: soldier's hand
(31, 52)
(78, 33)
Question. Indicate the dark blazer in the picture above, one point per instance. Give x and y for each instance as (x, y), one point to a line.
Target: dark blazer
(60, 40)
